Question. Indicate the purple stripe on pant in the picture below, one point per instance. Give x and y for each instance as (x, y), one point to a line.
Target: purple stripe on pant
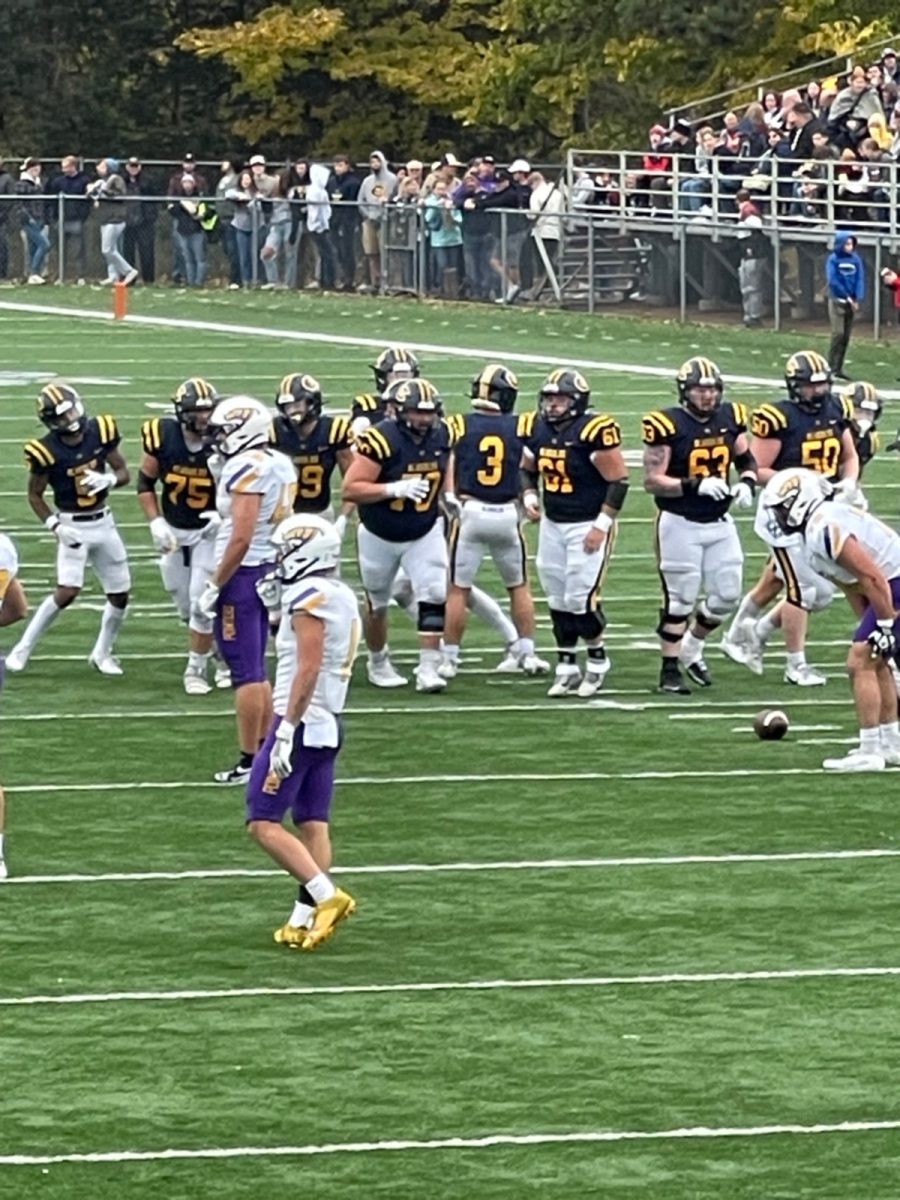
(242, 626)
(307, 791)
(869, 620)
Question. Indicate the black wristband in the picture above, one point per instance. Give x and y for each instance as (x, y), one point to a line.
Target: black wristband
(690, 486)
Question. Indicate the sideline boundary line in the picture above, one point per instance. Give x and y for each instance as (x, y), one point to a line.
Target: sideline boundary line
(452, 1143)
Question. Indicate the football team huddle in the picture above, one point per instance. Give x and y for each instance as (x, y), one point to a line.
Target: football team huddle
(245, 516)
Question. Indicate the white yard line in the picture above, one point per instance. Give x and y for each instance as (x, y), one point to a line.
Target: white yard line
(454, 985)
(540, 864)
(482, 1142)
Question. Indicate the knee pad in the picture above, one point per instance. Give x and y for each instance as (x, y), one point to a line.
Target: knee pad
(402, 592)
(682, 589)
(589, 625)
(565, 630)
(431, 617)
(725, 593)
(709, 618)
(669, 618)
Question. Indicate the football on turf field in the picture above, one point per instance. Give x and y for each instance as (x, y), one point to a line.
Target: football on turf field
(771, 724)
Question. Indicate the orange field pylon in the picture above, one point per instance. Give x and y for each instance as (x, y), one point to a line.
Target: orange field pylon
(120, 301)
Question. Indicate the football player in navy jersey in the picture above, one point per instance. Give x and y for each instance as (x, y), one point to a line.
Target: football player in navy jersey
(176, 457)
(809, 428)
(483, 492)
(396, 480)
(575, 454)
(867, 408)
(689, 451)
(80, 461)
(393, 365)
(314, 443)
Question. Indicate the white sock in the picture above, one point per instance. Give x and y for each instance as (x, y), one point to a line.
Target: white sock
(110, 624)
(748, 608)
(301, 914)
(524, 647)
(869, 740)
(198, 662)
(429, 658)
(451, 652)
(1, 844)
(378, 657)
(487, 609)
(765, 627)
(797, 659)
(320, 888)
(47, 612)
(889, 732)
(691, 648)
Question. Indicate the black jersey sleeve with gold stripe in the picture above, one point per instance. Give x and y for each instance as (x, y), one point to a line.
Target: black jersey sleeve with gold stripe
(38, 457)
(846, 408)
(525, 424)
(456, 423)
(364, 405)
(450, 429)
(739, 415)
(372, 443)
(339, 435)
(108, 431)
(601, 432)
(768, 421)
(657, 429)
(152, 436)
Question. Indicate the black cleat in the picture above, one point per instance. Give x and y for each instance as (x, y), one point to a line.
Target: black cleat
(671, 681)
(698, 672)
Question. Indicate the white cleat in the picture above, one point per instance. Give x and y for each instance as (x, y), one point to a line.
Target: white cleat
(566, 683)
(195, 682)
(804, 676)
(754, 648)
(107, 665)
(890, 752)
(428, 680)
(222, 677)
(510, 665)
(17, 659)
(383, 675)
(856, 760)
(532, 665)
(448, 668)
(4, 871)
(593, 678)
(733, 646)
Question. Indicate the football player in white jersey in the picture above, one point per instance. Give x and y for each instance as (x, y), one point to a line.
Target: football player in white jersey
(13, 607)
(256, 491)
(317, 642)
(859, 553)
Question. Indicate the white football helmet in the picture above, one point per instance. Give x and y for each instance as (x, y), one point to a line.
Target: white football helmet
(307, 544)
(790, 497)
(239, 423)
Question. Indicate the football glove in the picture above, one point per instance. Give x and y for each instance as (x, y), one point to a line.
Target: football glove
(164, 541)
(882, 642)
(713, 488)
(63, 534)
(742, 495)
(95, 482)
(340, 526)
(269, 591)
(206, 602)
(213, 525)
(283, 748)
(413, 487)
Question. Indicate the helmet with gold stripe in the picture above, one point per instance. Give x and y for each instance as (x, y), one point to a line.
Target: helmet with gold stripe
(61, 409)
(299, 398)
(700, 387)
(415, 403)
(808, 378)
(496, 385)
(239, 423)
(866, 405)
(564, 394)
(307, 544)
(393, 364)
(791, 495)
(194, 401)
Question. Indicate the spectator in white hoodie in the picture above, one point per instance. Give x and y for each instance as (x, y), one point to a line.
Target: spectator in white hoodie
(318, 222)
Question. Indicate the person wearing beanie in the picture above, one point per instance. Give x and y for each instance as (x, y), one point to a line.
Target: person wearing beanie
(108, 193)
(34, 217)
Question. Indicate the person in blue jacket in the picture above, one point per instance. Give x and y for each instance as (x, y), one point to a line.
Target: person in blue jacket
(846, 289)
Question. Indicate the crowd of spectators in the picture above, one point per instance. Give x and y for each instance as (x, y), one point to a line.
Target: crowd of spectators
(822, 152)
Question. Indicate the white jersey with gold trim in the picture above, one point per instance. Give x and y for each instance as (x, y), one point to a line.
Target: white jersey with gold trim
(9, 564)
(325, 597)
(828, 529)
(263, 472)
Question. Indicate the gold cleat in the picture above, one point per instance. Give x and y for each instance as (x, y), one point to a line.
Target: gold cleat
(327, 917)
(291, 935)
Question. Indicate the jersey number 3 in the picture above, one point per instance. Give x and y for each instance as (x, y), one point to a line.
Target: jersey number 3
(492, 447)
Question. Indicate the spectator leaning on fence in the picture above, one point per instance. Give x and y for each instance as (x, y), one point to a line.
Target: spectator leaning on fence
(512, 194)
(375, 191)
(228, 177)
(279, 251)
(318, 223)
(189, 233)
(245, 223)
(139, 241)
(7, 188)
(444, 223)
(34, 217)
(547, 204)
(846, 289)
(108, 193)
(343, 188)
(71, 182)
